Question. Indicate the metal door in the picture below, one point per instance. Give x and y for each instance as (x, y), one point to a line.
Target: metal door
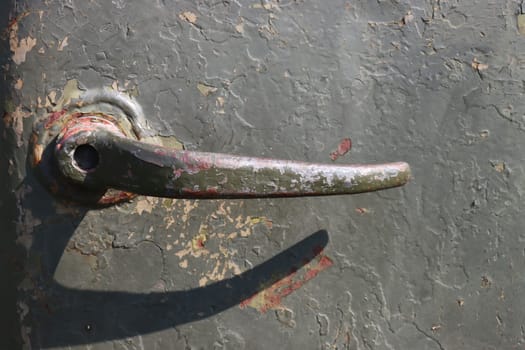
(437, 264)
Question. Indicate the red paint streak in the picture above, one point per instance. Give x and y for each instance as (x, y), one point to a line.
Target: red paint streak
(344, 146)
(212, 190)
(324, 263)
(271, 297)
(80, 123)
(53, 117)
(193, 164)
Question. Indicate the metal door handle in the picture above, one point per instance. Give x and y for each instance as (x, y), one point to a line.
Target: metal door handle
(95, 159)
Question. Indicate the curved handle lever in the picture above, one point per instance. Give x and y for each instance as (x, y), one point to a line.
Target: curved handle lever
(93, 152)
(92, 149)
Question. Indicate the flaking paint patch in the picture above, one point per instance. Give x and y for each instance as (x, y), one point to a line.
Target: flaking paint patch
(206, 89)
(62, 44)
(71, 91)
(217, 229)
(146, 204)
(188, 207)
(188, 16)
(240, 26)
(20, 47)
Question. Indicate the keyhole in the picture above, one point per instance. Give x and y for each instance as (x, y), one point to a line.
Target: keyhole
(86, 157)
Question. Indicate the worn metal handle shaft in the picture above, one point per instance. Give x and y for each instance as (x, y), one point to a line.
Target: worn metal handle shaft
(97, 156)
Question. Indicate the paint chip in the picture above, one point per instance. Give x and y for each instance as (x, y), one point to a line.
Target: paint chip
(145, 205)
(344, 146)
(499, 166)
(63, 43)
(521, 24)
(478, 65)
(240, 27)
(485, 282)
(435, 327)
(20, 47)
(205, 89)
(188, 17)
(19, 84)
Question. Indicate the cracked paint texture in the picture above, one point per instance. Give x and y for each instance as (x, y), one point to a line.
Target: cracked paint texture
(436, 265)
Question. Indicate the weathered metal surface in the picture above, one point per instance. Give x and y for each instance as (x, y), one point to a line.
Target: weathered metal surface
(94, 153)
(437, 264)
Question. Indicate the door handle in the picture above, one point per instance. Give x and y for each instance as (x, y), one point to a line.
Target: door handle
(92, 152)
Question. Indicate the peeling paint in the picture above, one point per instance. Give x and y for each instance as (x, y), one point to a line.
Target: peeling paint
(206, 89)
(478, 65)
(146, 204)
(20, 47)
(62, 44)
(188, 16)
(239, 27)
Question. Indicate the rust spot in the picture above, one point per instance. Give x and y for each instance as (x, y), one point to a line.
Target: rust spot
(198, 241)
(344, 146)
